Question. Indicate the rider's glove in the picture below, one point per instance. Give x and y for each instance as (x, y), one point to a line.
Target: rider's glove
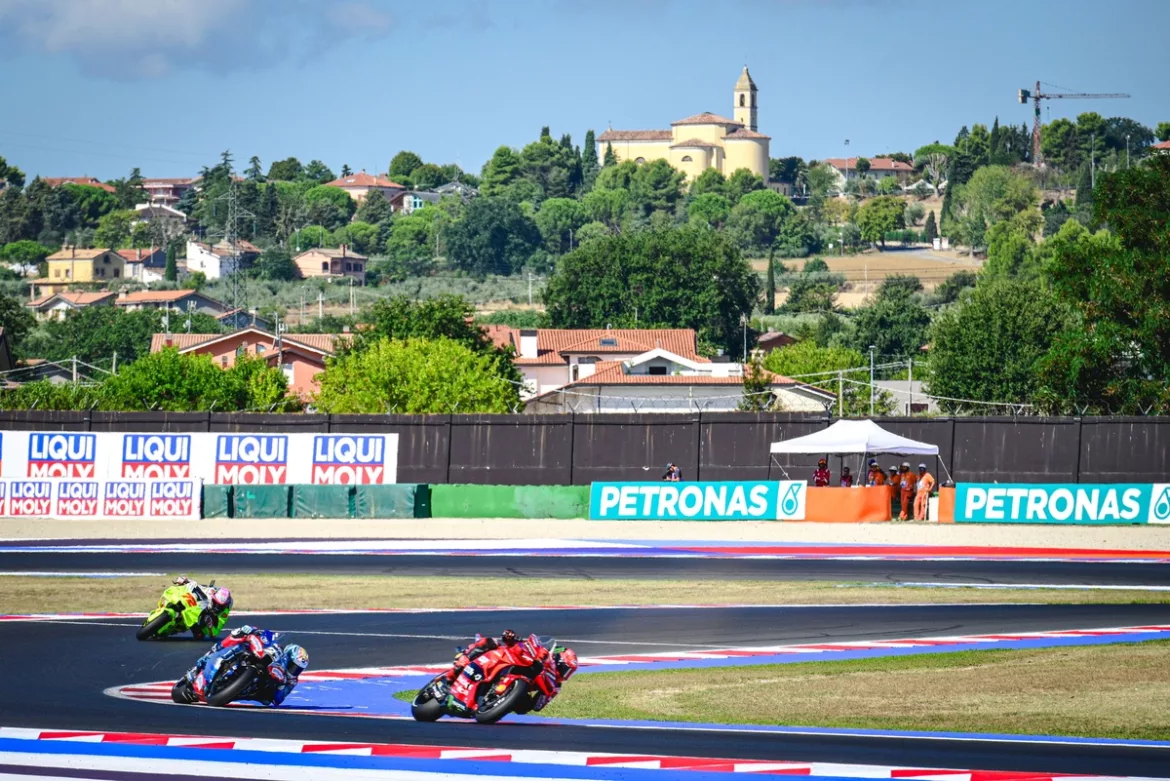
(276, 673)
(462, 660)
(181, 580)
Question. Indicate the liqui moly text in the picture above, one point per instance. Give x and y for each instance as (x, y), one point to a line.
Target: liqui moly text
(124, 499)
(156, 456)
(78, 499)
(172, 498)
(345, 459)
(61, 455)
(30, 499)
(251, 459)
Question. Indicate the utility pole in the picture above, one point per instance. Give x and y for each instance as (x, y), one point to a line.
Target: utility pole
(320, 305)
(1127, 151)
(302, 307)
(840, 393)
(871, 386)
(846, 166)
(530, 289)
(910, 404)
(1093, 160)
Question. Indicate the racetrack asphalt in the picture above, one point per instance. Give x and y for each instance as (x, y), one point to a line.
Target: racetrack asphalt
(55, 674)
(1095, 573)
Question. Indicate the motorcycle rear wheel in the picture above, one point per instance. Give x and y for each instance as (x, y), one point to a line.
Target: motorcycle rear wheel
(232, 689)
(149, 630)
(491, 709)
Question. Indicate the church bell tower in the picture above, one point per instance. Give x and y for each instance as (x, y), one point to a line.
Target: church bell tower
(745, 100)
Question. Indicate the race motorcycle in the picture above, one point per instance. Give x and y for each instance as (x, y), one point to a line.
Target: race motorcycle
(491, 686)
(178, 610)
(227, 674)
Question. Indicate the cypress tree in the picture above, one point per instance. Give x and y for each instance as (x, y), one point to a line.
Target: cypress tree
(610, 157)
(171, 273)
(930, 231)
(589, 167)
(1085, 187)
(770, 291)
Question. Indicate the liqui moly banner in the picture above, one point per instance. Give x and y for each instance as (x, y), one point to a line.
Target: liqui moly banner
(100, 499)
(218, 459)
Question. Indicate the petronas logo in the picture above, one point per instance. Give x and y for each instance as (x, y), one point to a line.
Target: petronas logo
(791, 501)
(1161, 507)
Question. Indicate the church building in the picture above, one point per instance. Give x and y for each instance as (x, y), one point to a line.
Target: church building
(703, 141)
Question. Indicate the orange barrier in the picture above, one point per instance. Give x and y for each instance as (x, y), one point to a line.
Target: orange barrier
(848, 505)
(946, 505)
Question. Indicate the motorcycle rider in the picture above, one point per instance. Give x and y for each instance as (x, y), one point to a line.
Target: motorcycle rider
(215, 615)
(284, 665)
(550, 682)
(480, 646)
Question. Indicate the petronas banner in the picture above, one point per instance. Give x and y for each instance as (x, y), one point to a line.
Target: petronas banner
(722, 501)
(1084, 503)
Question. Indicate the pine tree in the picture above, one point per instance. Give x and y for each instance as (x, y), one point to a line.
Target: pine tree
(346, 171)
(1085, 187)
(930, 231)
(770, 290)
(610, 157)
(757, 385)
(589, 167)
(546, 134)
(254, 172)
(171, 274)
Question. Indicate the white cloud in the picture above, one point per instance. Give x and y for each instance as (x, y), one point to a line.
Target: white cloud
(142, 39)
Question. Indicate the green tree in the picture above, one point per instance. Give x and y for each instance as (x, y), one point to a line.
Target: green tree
(840, 369)
(758, 217)
(1116, 358)
(895, 322)
(669, 277)
(552, 169)
(610, 157)
(494, 237)
(415, 376)
(95, 333)
(589, 164)
(879, 216)
(410, 248)
(740, 183)
(993, 193)
(930, 231)
(113, 229)
(15, 319)
(710, 181)
(25, 252)
(862, 166)
(287, 170)
(1085, 188)
(309, 237)
(770, 284)
(171, 271)
(500, 172)
(933, 159)
(276, 264)
(710, 209)
(374, 209)
(1011, 250)
(330, 207)
(170, 382)
(427, 176)
(814, 289)
(988, 347)
(318, 172)
(656, 186)
(92, 203)
(609, 207)
(361, 236)
(757, 385)
(403, 164)
(948, 292)
(1162, 132)
(254, 172)
(558, 219)
(11, 174)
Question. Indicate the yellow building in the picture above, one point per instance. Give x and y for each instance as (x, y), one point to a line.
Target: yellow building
(73, 266)
(703, 141)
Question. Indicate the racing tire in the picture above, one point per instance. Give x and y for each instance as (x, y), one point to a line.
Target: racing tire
(426, 708)
(149, 630)
(491, 711)
(181, 692)
(232, 689)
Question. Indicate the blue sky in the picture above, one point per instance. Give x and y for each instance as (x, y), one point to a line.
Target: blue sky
(95, 87)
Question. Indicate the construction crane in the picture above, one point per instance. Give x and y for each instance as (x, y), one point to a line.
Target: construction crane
(1036, 96)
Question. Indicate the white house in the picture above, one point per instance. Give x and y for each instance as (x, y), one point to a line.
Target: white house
(145, 265)
(219, 260)
(661, 381)
(879, 168)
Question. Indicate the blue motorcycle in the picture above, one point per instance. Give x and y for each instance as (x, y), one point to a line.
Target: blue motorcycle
(233, 670)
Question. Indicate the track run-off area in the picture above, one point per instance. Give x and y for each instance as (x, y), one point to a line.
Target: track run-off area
(87, 700)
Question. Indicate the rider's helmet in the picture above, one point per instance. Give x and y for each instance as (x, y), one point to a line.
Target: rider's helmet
(508, 637)
(296, 659)
(221, 599)
(566, 663)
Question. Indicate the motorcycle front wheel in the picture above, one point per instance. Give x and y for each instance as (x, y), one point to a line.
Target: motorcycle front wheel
(232, 689)
(150, 629)
(181, 692)
(425, 707)
(491, 706)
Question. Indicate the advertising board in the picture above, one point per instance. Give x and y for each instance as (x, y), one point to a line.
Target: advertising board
(716, 501)
(1058, 503)
(94, 499)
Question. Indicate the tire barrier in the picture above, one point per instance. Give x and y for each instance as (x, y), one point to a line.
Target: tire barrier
(564, 502)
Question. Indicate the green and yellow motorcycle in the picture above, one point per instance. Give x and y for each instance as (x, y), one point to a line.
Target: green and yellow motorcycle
(179, 610)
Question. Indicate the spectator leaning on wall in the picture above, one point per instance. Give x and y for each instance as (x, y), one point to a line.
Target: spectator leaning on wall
(673, 473)
(925, 486)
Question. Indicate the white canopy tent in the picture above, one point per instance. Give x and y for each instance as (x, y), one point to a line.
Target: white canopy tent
(853, 437)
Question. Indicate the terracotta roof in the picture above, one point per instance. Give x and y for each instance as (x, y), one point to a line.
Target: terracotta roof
(707, 118)
(159, 297)
(75, 298)
(1161, 145)
(691, 143)
(614, 374)
(223, 250)
(86, 181)
(636, 135)
(139, 255)
(875, 164)
(606, 344)
(364, 180)
(332, 252)
(553, 343)
(744, 133)
(325, 343)
(167, 182)
(77, 254)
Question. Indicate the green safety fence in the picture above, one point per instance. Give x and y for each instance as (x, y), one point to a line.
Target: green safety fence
(392, 501)
(261, 501)
(510, 501)
(217, 501)
(322, 501)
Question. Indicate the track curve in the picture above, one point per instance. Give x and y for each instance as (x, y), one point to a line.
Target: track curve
(76, 661)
